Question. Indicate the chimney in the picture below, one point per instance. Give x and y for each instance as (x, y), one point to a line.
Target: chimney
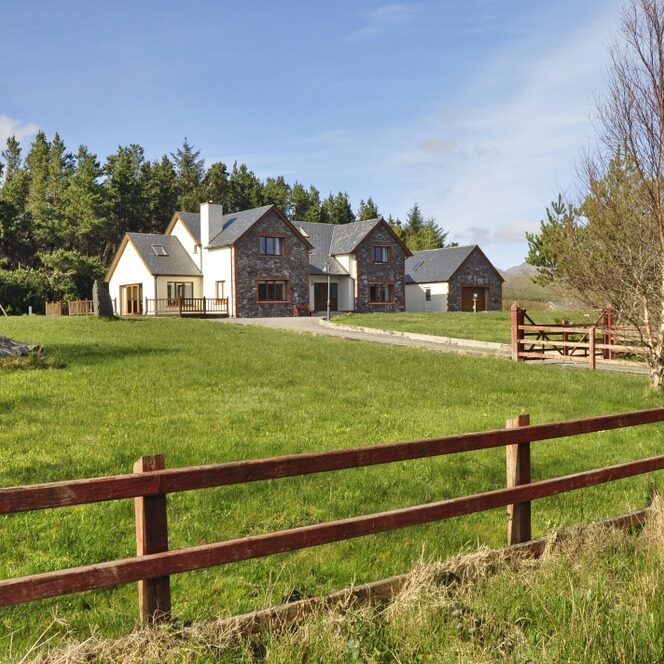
(211, 222)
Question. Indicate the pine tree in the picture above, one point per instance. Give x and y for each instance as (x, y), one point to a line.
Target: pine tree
(158, 183)
(313, 212)
(124, 194)
(36, 205)
(190, 170)
(16, 182)
(368, 210)
(246, 190)
(277, 192)
(217, 187)
(337, 209)
(85, 205)
(57, 182)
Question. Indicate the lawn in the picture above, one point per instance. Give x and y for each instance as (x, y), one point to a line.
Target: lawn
(483, 326)
(202, 392)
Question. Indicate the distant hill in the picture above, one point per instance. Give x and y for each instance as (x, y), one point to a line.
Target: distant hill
(519, 287)
(523, 270)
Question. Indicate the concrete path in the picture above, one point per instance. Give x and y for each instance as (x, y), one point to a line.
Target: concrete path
(318, 325)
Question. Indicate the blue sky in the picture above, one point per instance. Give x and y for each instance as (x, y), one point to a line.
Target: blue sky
(478, 110)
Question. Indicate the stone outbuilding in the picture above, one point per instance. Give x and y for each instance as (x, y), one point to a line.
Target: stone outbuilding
(452, 279)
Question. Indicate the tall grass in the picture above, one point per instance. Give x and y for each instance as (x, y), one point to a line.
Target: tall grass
(596, 595)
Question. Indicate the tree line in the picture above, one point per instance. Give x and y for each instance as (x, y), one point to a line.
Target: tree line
(63, 214)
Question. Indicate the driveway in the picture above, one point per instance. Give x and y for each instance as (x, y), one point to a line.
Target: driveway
(318, 325)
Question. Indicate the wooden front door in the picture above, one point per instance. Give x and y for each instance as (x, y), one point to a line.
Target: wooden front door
(471, 293)
(132, 300)
(320, 297)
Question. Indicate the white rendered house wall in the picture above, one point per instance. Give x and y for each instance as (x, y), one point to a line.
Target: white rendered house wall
(130, 269)
(416, 296)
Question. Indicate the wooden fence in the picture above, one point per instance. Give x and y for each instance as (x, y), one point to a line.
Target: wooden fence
(187, 306)
(151, 482)
(573, 342)
(70, 308)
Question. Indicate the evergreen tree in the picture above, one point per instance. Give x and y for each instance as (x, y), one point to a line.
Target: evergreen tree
(337, 209)
(217, 188)
(57, 182)
(431, 236)
(158, 182)
(190, 170)
(395, 225)
(246, 190)
(124, 196)
(313, 212)
(299, 201)
(277, 192)
(84, 205)
(36, 204)
(368, 210)
(16, 182)
(414, 223)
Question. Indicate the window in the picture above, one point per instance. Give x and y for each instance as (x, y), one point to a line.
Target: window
(219, 288)
(179, 290)
(159, 250)
(380, 293)
(427, 294)
(381, 254)
(272, 291)
(270, 246)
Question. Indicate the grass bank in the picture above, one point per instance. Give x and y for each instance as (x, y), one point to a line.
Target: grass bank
(484, 326)
(203, 392)
(596, 595)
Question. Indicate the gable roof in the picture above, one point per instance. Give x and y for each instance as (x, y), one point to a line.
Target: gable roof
(320, 236)
(433, 265)
(177, 262)
(192, 221)
(236, 224)
(347, 236)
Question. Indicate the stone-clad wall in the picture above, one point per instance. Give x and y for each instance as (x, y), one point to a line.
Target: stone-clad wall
(293, 266)
(476, 271)
(368, 271)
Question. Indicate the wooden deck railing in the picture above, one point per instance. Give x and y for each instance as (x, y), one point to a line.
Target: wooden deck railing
(572, 342)
(151, 482)
(187, 306)
(80, 308)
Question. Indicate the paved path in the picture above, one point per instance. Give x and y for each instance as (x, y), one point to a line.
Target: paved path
(317, 325)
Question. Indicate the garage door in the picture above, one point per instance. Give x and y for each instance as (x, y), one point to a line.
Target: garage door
(470, 293)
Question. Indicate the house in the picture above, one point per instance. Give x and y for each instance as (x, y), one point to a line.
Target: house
(257, 263)
(365, 261)
(452, 279)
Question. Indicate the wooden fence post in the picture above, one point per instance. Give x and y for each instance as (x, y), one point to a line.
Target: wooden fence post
(591, 350)
(518, 472)
(204, 307)
(517, 334)
(154, 595)
(608, 337)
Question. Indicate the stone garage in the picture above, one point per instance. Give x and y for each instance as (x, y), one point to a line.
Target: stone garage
(452, 279)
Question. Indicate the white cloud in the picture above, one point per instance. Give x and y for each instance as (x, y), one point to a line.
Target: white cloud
(10, 127)
(384, 19)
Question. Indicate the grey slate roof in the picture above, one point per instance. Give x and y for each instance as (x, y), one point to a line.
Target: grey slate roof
(236, 224)
(192, 220)
(436, 264)
(177, 263)
(347, 236)
(320, 235)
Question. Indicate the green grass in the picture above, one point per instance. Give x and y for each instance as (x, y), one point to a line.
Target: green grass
(484, 326)
(201, 392)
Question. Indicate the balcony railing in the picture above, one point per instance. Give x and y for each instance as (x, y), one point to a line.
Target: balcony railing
(187, 306)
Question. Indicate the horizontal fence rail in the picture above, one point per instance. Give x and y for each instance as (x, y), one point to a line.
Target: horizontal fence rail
(187, 306)
(116, 487)
(148, 487)
(572, 342)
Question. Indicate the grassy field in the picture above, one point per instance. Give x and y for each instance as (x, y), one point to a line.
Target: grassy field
(597, 595)
(202, 392)
(484, 326)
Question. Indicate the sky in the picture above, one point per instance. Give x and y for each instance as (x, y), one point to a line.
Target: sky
(478, 110)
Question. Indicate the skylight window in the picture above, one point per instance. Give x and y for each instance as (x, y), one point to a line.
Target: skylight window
(159, 250)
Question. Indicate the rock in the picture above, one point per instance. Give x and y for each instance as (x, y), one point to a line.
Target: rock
(101, 300)
(11, 348)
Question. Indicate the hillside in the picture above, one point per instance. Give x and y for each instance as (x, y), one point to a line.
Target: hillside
(519, 287)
